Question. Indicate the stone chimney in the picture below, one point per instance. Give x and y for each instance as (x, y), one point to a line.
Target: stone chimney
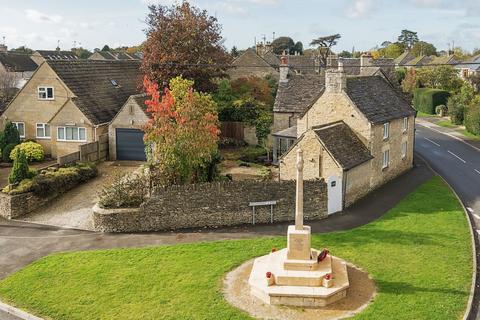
(283, 69)
(366, 60)
(335, 79)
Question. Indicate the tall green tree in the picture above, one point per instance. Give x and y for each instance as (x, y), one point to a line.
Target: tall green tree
(422, 48)
(234, 52)
(184, 40)
(408, 38)
(105, 48)
(283, 44)
(324, 45)
(20, 168)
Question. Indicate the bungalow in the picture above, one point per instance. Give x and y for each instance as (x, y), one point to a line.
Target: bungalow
(67, 103)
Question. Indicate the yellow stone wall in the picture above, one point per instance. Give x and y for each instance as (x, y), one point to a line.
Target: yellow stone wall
(333, 107)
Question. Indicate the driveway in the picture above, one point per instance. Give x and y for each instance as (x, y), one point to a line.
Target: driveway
(74, 208)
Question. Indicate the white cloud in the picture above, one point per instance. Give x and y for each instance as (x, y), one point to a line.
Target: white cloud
(359, 8)
(265, 2)
(427, 3)
(162, 2)
(37, 16)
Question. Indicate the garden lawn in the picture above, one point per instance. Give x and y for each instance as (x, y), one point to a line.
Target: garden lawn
(419, 254)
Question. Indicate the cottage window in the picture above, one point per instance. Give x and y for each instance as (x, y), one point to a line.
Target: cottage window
(404, 149)
(45, 93)
(21, 128)
(386, 130)
(75, 134)
(405, 124)
(385, 159)
(43, 131)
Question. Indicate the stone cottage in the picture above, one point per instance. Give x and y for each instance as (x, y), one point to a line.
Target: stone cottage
(357, 135)
(67, 103)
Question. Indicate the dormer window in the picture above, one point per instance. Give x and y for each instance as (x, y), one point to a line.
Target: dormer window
(45, 93)
(386, 130)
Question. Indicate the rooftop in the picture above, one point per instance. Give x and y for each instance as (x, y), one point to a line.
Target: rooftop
(299, 93)
(17, 62)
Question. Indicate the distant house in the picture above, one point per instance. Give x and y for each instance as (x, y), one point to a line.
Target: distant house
(21, 66)
(113, 55)
(357, 135)
(404, 59)
(469, 67)
(442, 60)
(67, 103)
(40, 56)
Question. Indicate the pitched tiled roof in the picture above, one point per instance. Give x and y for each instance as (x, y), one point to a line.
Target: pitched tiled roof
(272, 59)
(299, 93)
(101, 87)
(343, 144)
(17, 62)
(57, 55)
(351, 66)
(404, 58)
(114, 55)
(420, 61)
(472, 63)
(377, 99)
(302, 64)
(447, 59)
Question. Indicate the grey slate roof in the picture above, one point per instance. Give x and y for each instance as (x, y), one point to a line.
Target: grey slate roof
(57, 55)
(92, 82)
(290, 132)
(343, 144)
(17, 62)
(377, 99)
(272, 59)
(302, 64)
(472, 64)
(404, 58)
(299, 93)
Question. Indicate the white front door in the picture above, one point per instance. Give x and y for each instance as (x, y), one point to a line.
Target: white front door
(334, 188)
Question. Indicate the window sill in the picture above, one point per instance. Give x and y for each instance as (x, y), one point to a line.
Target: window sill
(71, 140)
(43, 138)
(46, 99)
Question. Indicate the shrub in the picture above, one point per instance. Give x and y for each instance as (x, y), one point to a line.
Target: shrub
(128, 191)
(58, 181)
(7, 151)
(3, 141)
(426, 99)
(12, 136)
(472, 120)
(33, 151)
(441, 110)
(456, 110)
(20, 169)
(251, 154)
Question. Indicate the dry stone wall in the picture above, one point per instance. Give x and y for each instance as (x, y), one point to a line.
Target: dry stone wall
(214, 205)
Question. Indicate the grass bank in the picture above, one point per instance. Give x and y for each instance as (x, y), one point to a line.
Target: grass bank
(419, 254)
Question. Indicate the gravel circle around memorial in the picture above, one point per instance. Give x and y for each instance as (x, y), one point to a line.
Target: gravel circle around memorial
(361, 293)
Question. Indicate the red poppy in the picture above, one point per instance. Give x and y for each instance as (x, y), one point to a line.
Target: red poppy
(274, 249)
(269, 274)
(328, 276)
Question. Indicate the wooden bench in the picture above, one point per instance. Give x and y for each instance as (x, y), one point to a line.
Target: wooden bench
(260, 204)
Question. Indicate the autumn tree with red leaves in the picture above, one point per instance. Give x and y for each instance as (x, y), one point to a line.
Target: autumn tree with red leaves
(182, 132)
(183, 40)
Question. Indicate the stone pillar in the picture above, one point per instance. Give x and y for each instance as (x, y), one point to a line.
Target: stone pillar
(299, 197)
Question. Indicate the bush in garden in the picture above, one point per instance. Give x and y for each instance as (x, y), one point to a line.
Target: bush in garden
(426, 99)
(20, 169)
(12, 136)
(33, 151)
(128, 191)
(472, 120)
(57, 181)
(3, 141)
(441, 110)
(456, 110)
(6, 152)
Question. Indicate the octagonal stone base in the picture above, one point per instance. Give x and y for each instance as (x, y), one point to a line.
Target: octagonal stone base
(302, 288)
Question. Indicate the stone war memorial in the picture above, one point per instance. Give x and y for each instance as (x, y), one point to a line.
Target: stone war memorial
(299, 282)
(299, 275)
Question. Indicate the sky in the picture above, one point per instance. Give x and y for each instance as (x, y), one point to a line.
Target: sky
(363, 24)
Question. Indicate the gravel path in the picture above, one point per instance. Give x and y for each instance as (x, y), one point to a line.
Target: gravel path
(74, 208)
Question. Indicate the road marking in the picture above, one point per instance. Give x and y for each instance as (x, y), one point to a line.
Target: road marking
(447, 134)
(470, 209)
(477, 171)
(453, 154)
(476, 216)
(432, 142)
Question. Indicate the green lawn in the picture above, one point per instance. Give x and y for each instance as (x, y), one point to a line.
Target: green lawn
(449, 124)
(421, 114)
(419, 254)
(446, 124)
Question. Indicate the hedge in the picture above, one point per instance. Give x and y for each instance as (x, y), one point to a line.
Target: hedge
(472, 120)
(426, 99)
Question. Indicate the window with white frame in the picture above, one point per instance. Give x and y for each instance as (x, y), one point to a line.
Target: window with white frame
(404, 149)
(20, 127)
(405, 124)
(43, 131)
(386, 130)
(78, 134)
(385, 159)
(45, 93)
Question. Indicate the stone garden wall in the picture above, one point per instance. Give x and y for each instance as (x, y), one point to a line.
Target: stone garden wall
(14, 206)
(214, 205)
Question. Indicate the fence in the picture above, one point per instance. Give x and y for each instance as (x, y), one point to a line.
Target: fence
(232, 130)
(93, 151)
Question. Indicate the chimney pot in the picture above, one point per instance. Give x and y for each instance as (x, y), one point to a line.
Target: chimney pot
(283, 69)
